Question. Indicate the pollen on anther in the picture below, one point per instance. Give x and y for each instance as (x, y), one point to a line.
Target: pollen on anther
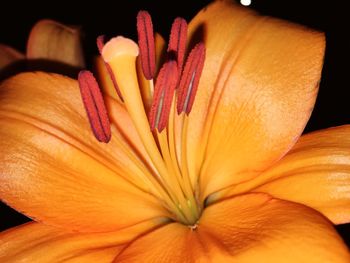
(190, 79)
(100, 41)
(146, 44)
(94, 106)
(177, 41)
(163, 95)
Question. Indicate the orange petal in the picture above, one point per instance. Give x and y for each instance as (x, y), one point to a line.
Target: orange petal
(256, 92)
(34, 242)
(9, 55)
(53, 41)
(55, 171)
(244, 229)
(316, 172)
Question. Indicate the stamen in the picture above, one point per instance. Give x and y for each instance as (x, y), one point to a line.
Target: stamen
(100, 44)
(163, 95)
(177, 42)
(190, 79)
(100, 41)
(146, 44)
(94, 106)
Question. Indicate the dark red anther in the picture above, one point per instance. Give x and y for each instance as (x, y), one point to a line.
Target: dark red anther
(94, 106)
(100, 41)
(190, 79)
(100, 44)
(177, 41)
(163, 95)
(146, 44)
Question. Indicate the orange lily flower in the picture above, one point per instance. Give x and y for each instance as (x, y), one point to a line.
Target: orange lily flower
(216, 175)
(50, 45)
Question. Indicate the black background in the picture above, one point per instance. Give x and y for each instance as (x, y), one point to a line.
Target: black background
(100, 17)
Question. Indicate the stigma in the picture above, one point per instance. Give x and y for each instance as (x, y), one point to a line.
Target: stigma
(134, 70)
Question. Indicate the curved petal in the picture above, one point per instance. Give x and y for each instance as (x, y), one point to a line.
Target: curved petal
(35, 242)
(9, 55)
(54, 170)
(11, 61)
(316, 172)
(244, 229)
(53, 41)
(256, 92)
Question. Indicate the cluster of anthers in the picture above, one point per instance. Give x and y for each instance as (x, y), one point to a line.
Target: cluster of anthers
(174, 91)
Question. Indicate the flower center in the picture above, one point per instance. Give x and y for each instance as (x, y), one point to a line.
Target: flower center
(169, 103)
